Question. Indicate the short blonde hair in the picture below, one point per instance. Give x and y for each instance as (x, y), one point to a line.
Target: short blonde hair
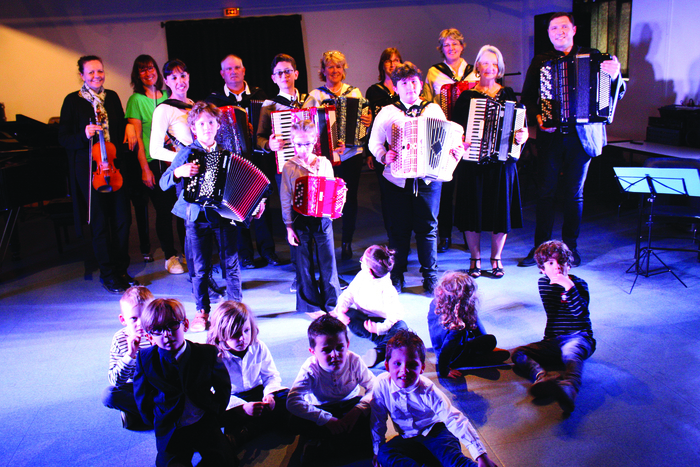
(304, 126)
(332, 56)
(499, 57)
(136, 296)
(450, 33)
(227, 320)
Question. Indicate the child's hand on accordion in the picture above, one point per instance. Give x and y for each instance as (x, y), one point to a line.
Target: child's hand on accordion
(521, 136)
(292, 237)
(458, 152)
(186, 170)
(366, 119)
(276, 142)
(257, 214)
(390, 157)
(339, 148)
(545, 128)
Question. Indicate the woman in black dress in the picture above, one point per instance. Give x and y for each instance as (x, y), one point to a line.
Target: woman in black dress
(380, 95)
(488, 195)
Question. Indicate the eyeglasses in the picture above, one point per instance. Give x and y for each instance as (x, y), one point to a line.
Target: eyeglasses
(281, 73)
(146, 69)
(303, 145)
(170, 328)
(393, 60)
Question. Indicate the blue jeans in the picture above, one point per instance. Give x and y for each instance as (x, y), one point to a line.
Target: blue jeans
(560, 155)
(199, 240)
(122, 398)
(357, 326)
(570, 349)
(439, 447)
(414, 212)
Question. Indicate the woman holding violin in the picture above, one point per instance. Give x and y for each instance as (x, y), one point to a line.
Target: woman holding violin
(92, 132)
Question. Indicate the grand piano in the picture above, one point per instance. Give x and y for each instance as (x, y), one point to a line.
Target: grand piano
(33, 168)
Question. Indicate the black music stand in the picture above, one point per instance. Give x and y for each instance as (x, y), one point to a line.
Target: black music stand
(654, 181)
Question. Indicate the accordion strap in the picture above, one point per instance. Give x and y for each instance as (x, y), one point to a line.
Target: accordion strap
(177, 104)
(414, 111)
(447, 71)
(291, 104)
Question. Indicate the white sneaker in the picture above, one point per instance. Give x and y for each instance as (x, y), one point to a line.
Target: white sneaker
(173, 266)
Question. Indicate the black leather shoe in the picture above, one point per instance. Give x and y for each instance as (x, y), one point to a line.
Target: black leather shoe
(346, 251)
(273, 259)
(429, 284)
(247, 263)
(529, 260)
(577, 258)
(398, 282)
(114, 286)
(130, 280)
(343, 283)
(444, 245)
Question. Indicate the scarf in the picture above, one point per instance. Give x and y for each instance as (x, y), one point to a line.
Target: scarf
(98, 103)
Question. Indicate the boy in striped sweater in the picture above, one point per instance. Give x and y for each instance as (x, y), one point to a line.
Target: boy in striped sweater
(126, 344)
(568, 337)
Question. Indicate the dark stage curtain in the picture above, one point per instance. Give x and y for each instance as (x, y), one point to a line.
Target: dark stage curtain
(202, 44)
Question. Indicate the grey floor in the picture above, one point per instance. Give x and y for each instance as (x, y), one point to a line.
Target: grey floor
(639, 404)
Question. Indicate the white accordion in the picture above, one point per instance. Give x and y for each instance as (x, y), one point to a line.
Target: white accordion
(423, 146)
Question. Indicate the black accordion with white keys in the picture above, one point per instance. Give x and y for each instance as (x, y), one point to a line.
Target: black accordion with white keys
(234, 131)
(573, 89)
(325, 120)
(348, 113)
(424, 148)
(491, 128)
(229, 184)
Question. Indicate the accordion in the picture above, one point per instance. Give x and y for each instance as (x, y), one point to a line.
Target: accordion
(423, 147)
(491, 129)
(323, 117)
(229, 184)
(319, 196)
(449, 93)
(348, 113)
(573, 89)
(234, 132)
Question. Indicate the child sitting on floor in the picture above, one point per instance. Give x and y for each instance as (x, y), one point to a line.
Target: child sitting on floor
(182, 389)
(326, 393)
(258, 400)
(458, 337)
(126, 344)
(427, 423)
(370, 306)
(568, 337)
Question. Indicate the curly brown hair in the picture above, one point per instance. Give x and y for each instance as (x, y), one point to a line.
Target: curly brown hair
(455, 301)
(554, 249)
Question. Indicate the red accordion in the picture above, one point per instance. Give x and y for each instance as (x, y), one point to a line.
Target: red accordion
(449, 93)
(319, 196)
(323, 117)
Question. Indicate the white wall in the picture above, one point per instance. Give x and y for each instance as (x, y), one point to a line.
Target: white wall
(38, 63)
(664, 62)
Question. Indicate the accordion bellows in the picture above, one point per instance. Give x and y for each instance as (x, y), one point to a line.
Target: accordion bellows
(450, 92)
(319, 196)
(229, 184)
(423, 146)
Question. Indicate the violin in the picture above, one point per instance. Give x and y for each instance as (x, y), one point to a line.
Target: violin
(106, 178)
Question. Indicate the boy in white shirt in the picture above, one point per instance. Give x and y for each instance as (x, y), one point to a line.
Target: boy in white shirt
(327, 390)
(421, 413)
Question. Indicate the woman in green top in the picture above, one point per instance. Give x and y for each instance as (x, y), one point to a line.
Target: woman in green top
(147, 82)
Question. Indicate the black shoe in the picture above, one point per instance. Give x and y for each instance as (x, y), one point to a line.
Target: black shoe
(546, 385)
(444, 245)
(114, 286)
(247, 263)
(398, 282)
(529, 260)
(130, 280)
(429, 284)
(343, 283)
(577, 257)
(273, 259)
(346, 251)
(213, 285)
